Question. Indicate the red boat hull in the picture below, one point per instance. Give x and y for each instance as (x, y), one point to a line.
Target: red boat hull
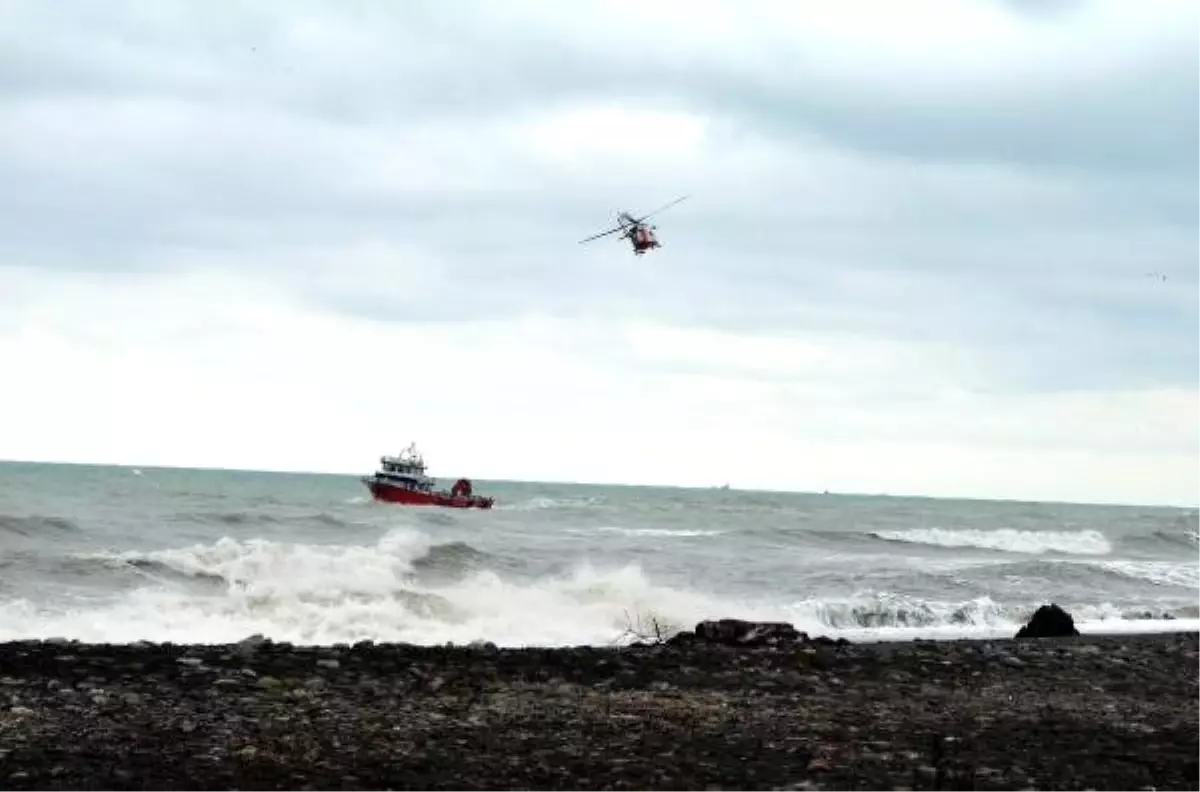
(392, 494)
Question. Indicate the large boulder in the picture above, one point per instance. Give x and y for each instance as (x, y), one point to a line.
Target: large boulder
(736, 632)
(1049, 621)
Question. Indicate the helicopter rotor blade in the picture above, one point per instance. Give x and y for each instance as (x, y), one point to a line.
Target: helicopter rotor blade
(661, 208)
(602, 234)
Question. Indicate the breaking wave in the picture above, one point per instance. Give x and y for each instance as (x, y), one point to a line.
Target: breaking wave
(1163, 541)
(682, 532)
(253, 518)
(406, 587)
(1009, 540)
(325, 594)
(34, 525)
(452, 558)
(540, 503)
(1162, 573)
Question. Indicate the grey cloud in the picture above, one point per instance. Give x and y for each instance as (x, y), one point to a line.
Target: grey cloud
(466, 61)
(1015, 215)
(1102, 130)
(1045, 8)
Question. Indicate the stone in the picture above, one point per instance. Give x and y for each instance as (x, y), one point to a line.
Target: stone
(737, 632)
(1049, 621)
(249, 646)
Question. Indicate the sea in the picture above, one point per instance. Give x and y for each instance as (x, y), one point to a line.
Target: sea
(121, 554)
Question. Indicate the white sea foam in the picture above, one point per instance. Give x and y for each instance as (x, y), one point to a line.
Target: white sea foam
(331, 593)
(1008, 539)
(685, 532)
(538, 503)
(326, 594)
(1164, 573)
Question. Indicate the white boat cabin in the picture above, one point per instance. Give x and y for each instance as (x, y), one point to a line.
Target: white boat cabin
(406, 470)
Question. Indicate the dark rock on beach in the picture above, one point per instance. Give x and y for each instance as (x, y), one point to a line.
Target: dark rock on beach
(1048, 621)
(737, 632)
(1099, 712)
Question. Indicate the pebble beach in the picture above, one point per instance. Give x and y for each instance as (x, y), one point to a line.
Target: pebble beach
(1079, 712)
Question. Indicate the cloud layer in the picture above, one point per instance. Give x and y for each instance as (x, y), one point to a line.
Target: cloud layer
(924, 251)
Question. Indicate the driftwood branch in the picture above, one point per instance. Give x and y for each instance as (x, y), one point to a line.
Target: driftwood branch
(648, 630)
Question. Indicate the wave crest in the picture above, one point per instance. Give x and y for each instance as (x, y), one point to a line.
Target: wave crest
(1010, 540)
(34, 525)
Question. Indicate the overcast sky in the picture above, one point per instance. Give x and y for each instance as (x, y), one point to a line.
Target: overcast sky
(924, 251)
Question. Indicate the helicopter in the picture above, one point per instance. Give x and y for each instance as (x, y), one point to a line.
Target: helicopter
(640, 235)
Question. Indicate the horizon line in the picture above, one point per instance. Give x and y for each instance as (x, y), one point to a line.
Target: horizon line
(725, 486)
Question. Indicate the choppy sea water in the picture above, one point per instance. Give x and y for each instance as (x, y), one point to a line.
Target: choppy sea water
(119, 554)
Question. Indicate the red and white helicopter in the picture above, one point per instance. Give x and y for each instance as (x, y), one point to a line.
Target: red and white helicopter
(640, 235)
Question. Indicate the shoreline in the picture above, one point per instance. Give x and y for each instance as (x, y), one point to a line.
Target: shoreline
(1099, 711)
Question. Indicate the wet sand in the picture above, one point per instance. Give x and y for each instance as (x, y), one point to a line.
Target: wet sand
(1114, 712)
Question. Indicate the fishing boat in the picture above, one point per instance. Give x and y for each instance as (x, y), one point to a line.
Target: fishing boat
(402, 479)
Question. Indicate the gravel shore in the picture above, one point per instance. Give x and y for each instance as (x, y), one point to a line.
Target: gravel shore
(1064, 713)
